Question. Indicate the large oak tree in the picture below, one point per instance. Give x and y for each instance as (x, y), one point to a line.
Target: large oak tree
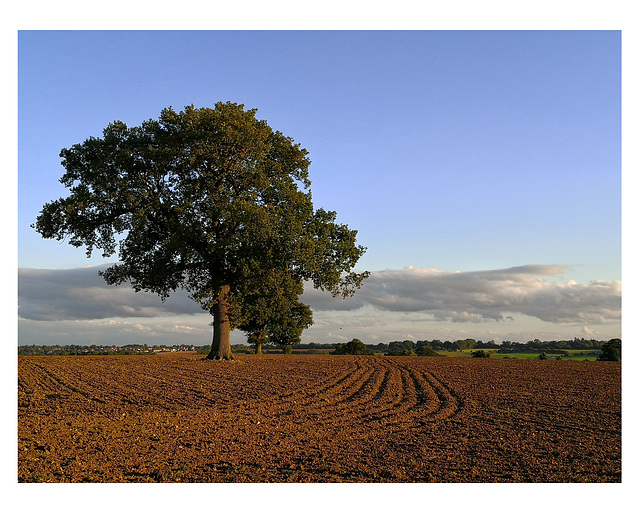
(206, 200)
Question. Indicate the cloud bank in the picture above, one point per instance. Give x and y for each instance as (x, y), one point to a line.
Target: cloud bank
(477, 296)
(484, 295)
(81, 294)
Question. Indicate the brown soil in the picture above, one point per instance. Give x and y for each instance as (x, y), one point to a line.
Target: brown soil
(278, 418)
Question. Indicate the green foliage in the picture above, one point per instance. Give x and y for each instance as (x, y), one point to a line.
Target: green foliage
(270, 311)
(480, 354)
(401, 348)
(467, 344)
(287, 326)
(427, 351)
(542, 356)
(403, 352)
(354, 347)
(549, 347)
(207, 200)
(611, 350)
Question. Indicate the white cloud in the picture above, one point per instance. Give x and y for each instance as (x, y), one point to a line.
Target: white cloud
(409, 303)
(484, 295)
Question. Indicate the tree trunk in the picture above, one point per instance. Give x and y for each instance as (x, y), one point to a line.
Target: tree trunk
(221, 345)
(260, 338)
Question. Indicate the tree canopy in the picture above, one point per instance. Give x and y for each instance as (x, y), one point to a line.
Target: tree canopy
(611, 350)
(270, 311)
(354, 347)
(206, 200)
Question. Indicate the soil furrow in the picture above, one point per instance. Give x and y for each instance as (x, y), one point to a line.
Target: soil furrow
(272, 418)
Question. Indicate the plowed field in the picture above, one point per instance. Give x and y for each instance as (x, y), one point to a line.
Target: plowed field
(277, 418)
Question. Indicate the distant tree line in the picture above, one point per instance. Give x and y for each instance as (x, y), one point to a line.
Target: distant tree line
(611, 350)
(550, 347)
(436, 347)
(99, 350)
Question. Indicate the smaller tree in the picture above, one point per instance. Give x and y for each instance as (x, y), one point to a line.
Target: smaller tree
(401, 348)
(481, 354)
(467, 344)
(287, 331)
(436, 345)
(269, 311)
(426, 350)
(354, 347)
(449, 346)
(611, 350)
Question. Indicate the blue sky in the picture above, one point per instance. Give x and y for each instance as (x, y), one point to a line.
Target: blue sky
(455, 154)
